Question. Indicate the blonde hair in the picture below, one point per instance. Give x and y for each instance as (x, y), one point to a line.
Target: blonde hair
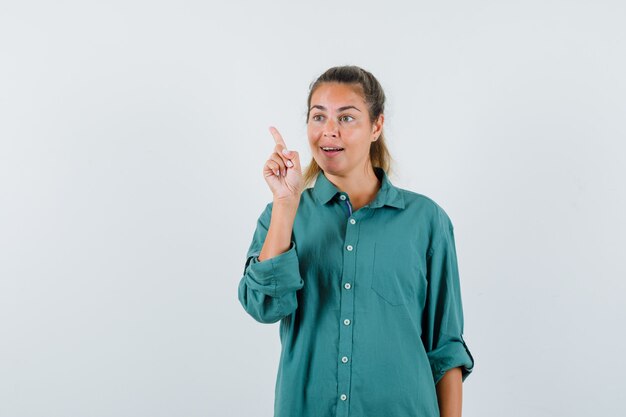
(373, 95)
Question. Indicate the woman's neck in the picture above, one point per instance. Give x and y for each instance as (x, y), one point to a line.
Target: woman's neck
(361, 189)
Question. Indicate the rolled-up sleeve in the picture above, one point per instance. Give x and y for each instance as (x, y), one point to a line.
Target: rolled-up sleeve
(442, 326)
(267, 289)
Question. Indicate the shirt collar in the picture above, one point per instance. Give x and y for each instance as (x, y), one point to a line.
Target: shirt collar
(388, 194)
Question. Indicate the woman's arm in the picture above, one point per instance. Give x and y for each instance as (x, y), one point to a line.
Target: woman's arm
(449, 393)
(271, 277)
(267, 290)
(278, 239)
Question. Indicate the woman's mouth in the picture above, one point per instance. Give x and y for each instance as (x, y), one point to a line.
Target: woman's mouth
(331, 151)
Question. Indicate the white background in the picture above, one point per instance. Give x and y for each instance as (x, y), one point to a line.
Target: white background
(133, 136)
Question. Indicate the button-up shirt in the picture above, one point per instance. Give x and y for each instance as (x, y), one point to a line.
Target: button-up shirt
(369, 304)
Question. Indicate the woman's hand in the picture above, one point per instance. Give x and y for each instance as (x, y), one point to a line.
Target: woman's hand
(282, 171)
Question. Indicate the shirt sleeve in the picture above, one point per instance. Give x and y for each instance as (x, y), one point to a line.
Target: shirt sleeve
(267, 289)
(442, 327)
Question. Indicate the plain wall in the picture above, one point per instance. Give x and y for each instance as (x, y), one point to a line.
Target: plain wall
(133, 136)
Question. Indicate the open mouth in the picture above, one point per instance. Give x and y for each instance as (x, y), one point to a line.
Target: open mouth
(331, 151)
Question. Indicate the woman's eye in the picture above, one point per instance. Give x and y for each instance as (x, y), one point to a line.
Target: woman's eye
(346, 118)
(317, 117)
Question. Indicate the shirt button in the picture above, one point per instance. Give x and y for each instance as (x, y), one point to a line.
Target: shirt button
(343, 197)
(346, 322)
(347, 285)
(344, 359)
(349, 247)
(352, 221)
(343, 397)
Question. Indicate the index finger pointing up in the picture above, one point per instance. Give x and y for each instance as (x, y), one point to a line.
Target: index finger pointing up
(277, 137)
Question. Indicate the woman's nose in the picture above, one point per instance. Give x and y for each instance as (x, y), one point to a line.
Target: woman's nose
(330, 128)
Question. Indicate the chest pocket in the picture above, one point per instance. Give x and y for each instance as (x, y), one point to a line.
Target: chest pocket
(394, 273)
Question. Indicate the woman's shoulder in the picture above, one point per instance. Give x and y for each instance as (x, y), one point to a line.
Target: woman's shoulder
(421, 200)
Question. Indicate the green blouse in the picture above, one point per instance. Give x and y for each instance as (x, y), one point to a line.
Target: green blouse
(369, 304)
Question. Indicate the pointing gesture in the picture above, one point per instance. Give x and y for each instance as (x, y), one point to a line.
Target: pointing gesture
(282, 170)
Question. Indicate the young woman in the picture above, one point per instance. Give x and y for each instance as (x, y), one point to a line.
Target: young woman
(362, 275)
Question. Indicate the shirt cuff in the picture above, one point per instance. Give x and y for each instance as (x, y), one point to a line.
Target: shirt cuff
(275, 276)
(451, 355)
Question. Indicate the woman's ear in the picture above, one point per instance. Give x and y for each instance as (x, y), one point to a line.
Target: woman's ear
(378, 126)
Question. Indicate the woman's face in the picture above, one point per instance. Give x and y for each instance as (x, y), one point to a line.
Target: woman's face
(339, 118)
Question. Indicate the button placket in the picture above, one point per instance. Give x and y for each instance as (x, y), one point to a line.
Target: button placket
(347, 309)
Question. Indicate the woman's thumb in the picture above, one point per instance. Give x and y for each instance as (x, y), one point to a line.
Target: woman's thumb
(294, 157)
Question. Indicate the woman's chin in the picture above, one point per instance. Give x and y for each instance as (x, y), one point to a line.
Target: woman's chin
(331, 168)
(330, 165)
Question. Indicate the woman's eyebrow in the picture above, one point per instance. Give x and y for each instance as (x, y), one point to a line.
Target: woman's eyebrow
(317, 106)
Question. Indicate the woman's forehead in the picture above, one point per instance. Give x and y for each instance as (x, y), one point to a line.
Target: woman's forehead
(335, 95)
